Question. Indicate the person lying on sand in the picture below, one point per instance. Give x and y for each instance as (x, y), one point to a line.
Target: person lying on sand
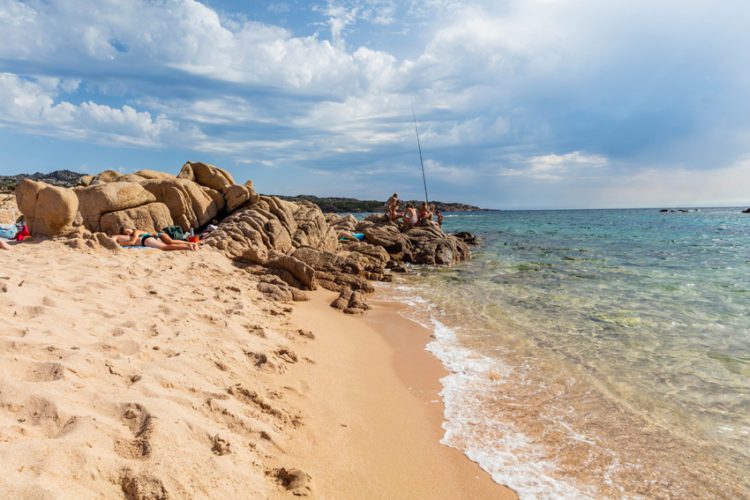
(4, 246)
(162, 241)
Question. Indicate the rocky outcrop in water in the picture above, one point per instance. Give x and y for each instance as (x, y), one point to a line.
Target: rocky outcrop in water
(292, 246)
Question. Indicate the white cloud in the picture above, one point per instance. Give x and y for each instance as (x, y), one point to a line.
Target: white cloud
(31, 105)
(554, 167)
(143, 38)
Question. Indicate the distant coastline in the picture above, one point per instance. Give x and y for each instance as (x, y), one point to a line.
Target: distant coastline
(345, 205)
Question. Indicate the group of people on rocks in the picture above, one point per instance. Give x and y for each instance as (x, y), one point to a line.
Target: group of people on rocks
(411, 216)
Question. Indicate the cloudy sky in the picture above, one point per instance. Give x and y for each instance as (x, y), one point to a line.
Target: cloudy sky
(520, 103)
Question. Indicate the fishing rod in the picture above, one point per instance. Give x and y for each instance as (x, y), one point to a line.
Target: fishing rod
(421, 162)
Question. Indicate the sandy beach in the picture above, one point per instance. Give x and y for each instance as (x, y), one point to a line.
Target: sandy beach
(146, 374)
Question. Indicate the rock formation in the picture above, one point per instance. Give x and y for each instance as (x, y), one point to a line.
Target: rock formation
(293, 246)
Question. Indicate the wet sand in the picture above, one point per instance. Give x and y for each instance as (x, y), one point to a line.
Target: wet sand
(373, 411)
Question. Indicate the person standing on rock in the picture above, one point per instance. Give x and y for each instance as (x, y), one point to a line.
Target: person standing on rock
(391, 207)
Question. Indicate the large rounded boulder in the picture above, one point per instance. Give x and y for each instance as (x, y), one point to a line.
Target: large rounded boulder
(151, 217)
(100, 199)
(189, 204)
(47, 210)
(207, 175)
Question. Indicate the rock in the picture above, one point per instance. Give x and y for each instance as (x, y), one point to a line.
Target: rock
(312, 230)
(216, 197)
(254, 232)
(47, 210)
(390, 238)
(350, 302)
(189, 204)
(236, 196)
(301, 271)
(207, 175)
(746, 211)
(467, 238)
(97, 200)
(9, 211)
(154, 175)
(82, 239)
(151, 217)
(131, 178)
(395, 267)
(339, 223)
(106, 177)
(433, 247)
(341, 270)
(276, 289)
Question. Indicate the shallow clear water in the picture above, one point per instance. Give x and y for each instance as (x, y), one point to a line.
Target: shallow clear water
(598, 352)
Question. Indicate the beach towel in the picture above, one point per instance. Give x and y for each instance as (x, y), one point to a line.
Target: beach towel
(8, 231)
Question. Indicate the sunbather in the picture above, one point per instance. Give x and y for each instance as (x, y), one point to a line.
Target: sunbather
(162, 241)
(4, 245)
(410, 216)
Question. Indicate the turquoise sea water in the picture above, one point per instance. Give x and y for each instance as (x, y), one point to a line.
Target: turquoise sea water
(597, 353)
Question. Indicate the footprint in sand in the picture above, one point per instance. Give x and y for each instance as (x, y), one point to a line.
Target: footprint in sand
(42, 413)
(220, 446)
(142, 486)
(287, 355)
(294, 481)
(141, 424)
(251, 397)
(260, 360)
(31, 312)
(46, 372)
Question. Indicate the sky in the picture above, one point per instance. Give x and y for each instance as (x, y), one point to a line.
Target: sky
(519, 103)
